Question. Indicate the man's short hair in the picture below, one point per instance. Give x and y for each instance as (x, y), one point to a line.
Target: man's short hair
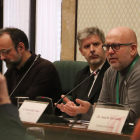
(16, 36)
(87, 32)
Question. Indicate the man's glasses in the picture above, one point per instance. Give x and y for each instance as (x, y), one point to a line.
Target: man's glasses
(114, 47)
(5, 51)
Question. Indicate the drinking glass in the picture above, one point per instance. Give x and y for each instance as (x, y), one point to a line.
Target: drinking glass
(37, 132)
(20, 100)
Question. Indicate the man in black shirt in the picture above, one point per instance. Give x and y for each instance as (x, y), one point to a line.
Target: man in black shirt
(28, 75)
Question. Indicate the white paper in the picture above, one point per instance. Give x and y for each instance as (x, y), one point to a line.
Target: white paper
(108, 120)
(30, 111)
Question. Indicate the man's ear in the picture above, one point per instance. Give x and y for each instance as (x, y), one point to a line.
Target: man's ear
(21, 47)
(80, 49)
(133, 49)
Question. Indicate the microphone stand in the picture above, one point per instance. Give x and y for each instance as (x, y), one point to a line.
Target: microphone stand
(75, 120)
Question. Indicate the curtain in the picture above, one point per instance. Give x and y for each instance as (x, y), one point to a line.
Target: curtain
(48, 29)
(16, 14)
(48, 25)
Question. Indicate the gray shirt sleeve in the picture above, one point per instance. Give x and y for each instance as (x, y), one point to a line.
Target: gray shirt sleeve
(129, 92)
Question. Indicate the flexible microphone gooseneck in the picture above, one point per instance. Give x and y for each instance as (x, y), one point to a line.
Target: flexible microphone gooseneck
(75, 118)
(38, 56)
(93, 73)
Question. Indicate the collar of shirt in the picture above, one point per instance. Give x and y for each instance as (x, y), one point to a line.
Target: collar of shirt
(97, 68)
(95, 77)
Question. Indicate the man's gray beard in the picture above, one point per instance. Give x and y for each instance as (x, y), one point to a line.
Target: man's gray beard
(13, 63)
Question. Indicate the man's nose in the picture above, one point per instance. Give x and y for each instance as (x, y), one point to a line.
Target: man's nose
(92, 48)
(2, 57)
(111, 50)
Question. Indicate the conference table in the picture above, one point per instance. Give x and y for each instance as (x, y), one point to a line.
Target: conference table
(56, 132)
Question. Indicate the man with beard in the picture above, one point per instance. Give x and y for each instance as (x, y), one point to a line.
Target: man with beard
(90, 41)
(28, 75)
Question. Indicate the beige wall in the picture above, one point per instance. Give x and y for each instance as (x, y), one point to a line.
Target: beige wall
(68, 29)
(107, 14)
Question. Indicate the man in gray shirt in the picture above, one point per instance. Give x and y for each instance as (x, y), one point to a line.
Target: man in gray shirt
(121, 81)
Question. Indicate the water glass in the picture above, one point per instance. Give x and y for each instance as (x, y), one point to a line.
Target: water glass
(20, 100)
(37, 132)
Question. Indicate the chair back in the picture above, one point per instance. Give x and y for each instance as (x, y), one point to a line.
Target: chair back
(67, 72)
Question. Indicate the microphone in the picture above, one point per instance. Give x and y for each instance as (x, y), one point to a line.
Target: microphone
(93, 73)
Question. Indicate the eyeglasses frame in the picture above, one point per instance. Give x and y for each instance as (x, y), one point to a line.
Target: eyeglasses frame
(116, 44)
(5, 51)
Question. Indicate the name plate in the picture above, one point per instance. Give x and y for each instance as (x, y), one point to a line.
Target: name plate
(108, 118)
(30, 111)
